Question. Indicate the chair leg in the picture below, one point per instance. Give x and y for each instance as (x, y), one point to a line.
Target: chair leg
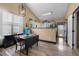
(16, 46)
(27, 52)
(37, 43)
(20, 49)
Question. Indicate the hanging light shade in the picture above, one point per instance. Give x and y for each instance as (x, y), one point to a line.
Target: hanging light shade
(22, 9)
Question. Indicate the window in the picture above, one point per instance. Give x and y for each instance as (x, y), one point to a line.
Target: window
(17, 24)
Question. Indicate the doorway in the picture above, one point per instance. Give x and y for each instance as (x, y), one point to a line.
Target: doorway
(61, 30)
(60, 33)
(78, 29)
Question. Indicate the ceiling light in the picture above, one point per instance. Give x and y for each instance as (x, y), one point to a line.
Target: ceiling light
(46, 14)
(22, 9)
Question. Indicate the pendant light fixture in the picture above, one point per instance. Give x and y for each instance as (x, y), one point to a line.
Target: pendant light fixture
(22, 9)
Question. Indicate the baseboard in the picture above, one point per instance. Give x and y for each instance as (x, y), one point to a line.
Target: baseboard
(47, 41)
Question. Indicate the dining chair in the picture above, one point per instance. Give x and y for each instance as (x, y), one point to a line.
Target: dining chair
(19, 42)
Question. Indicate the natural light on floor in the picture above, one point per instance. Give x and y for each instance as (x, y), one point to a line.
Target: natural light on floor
(61, 46)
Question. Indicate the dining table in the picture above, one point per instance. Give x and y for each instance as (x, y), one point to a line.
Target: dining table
(29, 41)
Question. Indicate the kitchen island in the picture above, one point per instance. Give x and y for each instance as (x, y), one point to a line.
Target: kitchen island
(46, 34)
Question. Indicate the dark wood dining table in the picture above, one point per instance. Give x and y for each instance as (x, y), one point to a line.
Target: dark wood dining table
(28, 40)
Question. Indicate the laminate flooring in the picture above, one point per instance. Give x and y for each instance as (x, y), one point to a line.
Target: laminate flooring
(43, 49)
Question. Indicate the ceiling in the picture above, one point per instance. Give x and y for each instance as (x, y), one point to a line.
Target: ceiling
(57, 10)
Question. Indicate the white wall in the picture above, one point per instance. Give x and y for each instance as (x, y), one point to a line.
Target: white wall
(70, 31)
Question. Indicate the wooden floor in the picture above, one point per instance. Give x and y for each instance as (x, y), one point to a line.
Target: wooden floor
(43, 49)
